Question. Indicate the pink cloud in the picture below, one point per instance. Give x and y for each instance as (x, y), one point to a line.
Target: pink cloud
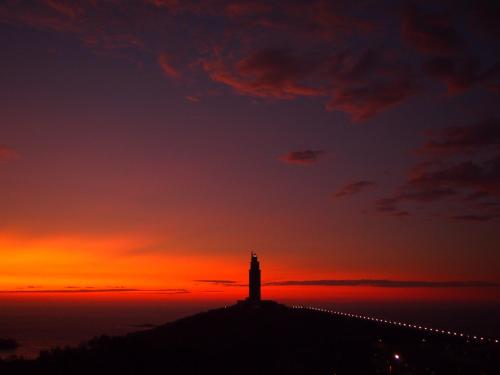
(267, 73)
(167, 68)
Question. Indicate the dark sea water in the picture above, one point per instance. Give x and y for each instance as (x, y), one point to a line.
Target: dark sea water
(41, 325)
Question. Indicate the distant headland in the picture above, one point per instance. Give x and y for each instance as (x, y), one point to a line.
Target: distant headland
(8, 344)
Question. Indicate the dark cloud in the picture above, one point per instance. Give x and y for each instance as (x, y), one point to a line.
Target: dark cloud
(194, 7)
(45, 15)
(481, 176)
(248, 9)
(359, 84)
(431, 33)
(353, 188)
(427, 194)
(461, 74)
(70, 9)
(463, 139)
(364, 102)
(324, 50)
(368, 82)
(464, 167)
(386, 283)
(459, 181)
(265, 73)
(305, 157)
(216, 282)
(112, 42)
(329, 19)
(452, 62)
(96, 290)
(170, 291)
(98, 25)
(318, 19)
(166, 3)
(351, 67)
(484, 15)
(389, 206)
(473, 217)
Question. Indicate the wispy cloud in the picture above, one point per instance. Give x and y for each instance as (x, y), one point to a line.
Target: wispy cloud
(95, 290)
(474, 217)
(385, 283)
(167, 67)
(456, 140)
(314, 59)
(144, 325)
(431, 33)
(353, 188)
(304, 157)
(265, 73)
(461, 165)
(217, 282)
(96, 24)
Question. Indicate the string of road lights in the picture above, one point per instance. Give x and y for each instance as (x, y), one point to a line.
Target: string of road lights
(400, 324)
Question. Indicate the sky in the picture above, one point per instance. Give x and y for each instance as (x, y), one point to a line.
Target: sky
(147, 146)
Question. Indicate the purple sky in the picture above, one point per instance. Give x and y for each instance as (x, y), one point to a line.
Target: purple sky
(354, 139)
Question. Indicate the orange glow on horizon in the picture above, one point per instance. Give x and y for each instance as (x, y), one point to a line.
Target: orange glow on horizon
(112, 267)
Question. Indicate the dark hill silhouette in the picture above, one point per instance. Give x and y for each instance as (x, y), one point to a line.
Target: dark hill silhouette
(8, 344)
(267, 338)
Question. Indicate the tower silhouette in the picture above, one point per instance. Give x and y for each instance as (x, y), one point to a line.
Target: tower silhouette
(254, 279)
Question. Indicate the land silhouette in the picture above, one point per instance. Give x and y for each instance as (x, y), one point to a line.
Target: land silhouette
(267, 338)
(8, 344)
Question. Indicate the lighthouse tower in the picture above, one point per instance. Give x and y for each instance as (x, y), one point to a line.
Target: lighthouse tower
(254, 279)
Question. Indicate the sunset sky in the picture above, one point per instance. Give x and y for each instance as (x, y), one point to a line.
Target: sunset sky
(147, 146)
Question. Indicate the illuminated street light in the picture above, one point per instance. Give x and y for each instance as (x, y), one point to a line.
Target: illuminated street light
(396, 323)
